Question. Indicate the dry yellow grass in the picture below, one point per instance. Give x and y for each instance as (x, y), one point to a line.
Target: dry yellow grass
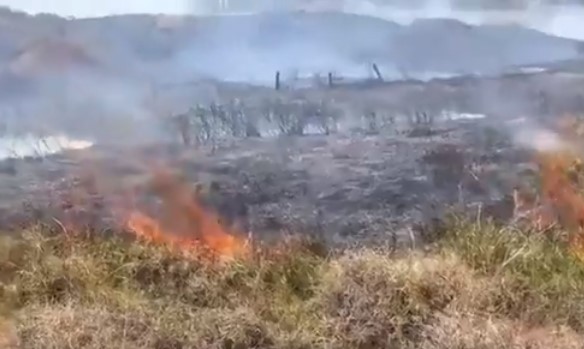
(481, 288)
(8, 335)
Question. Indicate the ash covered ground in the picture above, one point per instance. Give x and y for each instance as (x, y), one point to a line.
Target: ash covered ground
(365, 168)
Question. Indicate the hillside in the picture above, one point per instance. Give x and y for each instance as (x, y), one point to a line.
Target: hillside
(254, 46)
(51, 55)
(142, 67)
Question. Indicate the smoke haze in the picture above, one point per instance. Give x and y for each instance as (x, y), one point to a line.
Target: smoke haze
(559, 20)
(252, 48)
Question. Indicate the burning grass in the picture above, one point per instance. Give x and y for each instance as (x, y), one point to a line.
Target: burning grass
(482, 286)
(186, 225)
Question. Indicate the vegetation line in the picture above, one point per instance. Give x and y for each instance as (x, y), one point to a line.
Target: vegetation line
(480, 286)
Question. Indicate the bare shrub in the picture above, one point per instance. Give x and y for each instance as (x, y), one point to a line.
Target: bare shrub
(321, 114)
(248, 124)
(209, 124)
(287, 116)
(371, 121)
(204, 126)
(421, 124)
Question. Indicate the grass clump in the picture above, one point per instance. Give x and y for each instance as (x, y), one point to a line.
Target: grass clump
(372, 300)
(538, 278)
(481, 287)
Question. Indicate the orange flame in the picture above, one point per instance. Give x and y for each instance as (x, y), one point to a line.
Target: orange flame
(188, 226)
(560, 188)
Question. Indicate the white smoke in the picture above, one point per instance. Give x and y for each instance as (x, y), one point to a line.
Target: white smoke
(32, 145)
(531, 136)
(560, 20)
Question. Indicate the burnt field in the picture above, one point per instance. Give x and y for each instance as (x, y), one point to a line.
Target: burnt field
(289, 180)
(370, 163)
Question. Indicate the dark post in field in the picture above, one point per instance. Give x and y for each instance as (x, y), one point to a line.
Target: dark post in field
(377, 72)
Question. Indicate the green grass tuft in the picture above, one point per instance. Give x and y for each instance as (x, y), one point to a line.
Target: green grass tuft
(482, 286)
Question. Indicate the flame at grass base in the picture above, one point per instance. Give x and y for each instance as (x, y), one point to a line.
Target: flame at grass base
(149, 229)
(562, 187)
(188, 227)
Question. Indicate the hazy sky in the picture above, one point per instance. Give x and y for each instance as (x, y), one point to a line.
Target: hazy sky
(85, 8)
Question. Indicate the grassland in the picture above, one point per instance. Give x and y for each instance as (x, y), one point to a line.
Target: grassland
(479, 286)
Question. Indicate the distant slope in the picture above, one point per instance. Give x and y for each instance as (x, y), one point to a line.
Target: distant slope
(567, 66)
(448, 45)
(52, 55)
(254, 46)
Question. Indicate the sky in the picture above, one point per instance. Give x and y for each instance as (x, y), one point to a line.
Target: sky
(97, 8)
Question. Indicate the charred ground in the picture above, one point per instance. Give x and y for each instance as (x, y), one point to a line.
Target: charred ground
(377, 163)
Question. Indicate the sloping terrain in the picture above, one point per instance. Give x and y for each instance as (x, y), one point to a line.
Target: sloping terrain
(221, 46)
(347, 44)
(52, 55)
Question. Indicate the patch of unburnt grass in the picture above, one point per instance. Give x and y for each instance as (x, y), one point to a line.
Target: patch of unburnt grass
(481, 287)
(537, 278)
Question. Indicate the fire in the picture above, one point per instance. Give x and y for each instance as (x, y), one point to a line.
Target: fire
(186, 224)
(560, 188)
